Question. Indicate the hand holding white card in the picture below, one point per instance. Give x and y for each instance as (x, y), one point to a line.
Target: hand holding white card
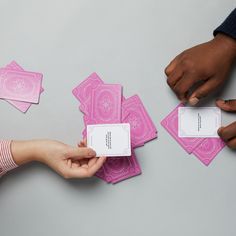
(198, 122)
(109, 139)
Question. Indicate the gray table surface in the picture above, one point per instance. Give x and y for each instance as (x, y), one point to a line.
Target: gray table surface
(128, 42)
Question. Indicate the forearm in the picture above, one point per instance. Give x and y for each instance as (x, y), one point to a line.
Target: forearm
(16, 153)
(24, 151)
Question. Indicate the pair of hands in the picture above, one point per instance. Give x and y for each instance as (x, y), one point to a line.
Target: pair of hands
(67, 161)
(199, 71)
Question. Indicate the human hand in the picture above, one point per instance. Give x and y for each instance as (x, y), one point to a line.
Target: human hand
(202, 69)
(228, 133)
(68, 161)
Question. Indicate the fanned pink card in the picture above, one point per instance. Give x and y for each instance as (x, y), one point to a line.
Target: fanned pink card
(208, 149)
(106, 104)
(117, 169)
(142, 126)
(205, 149)
(22, 106)
(83, 92)
(20, 85)
(170, 123)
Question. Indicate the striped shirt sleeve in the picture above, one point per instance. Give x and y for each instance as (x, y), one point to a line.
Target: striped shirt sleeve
(6, 160)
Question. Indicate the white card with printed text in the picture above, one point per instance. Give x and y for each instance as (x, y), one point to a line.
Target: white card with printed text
(109, 139)
(199, 122)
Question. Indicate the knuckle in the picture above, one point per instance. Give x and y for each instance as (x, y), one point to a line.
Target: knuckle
(170, 82)
(167, 70)
(178, 91)
(201, 94)
(187, 63)
(89, 153)
(66, 152)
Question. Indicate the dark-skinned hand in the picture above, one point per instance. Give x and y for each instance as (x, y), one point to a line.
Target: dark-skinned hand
(199, 71)
(208, 64)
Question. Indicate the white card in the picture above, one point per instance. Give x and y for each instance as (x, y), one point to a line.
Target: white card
(109, 139)
(198, 122)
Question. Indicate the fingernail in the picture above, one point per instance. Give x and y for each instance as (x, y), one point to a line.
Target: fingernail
(220, 129)
(193, 101)
(91, 153)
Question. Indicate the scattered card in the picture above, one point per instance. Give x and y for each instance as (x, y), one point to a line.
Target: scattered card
(208, 149)
(109, 139)
(118, 169)
(142, 127)
(20, 85)
(199, 122)
(21, 106)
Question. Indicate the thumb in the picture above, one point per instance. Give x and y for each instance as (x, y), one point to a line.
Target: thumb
(203, 90)
(227, 105)
(77, 153)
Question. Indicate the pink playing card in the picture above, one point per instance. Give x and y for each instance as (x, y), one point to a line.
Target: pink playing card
(117, 169)
(170, 123)
(83, 91)
(106, 104)
(208, 149)
(14, 66)
(142, 127)
(22, 106)
(20, 85)
(101, 175)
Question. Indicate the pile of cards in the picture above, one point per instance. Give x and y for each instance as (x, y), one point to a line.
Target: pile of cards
(196, 131)
(19, 87)
(105, 104)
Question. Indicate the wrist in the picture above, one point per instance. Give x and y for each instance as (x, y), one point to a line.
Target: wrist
(227, 44)
(24, 151)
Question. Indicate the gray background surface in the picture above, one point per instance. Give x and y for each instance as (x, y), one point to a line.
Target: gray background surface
(128, 42)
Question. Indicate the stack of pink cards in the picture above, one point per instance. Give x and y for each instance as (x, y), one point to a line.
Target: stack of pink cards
(105, 104)
(19, 87)
(205, 149)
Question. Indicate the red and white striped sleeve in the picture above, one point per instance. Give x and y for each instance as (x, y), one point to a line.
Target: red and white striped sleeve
(6, 160)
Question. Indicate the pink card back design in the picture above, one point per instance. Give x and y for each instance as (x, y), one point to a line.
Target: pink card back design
(20, 85)
(142, 127)
(170, 123)
(208, 149)
(106, 104)
(83, 91)
(117, 169)
(22, 106)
